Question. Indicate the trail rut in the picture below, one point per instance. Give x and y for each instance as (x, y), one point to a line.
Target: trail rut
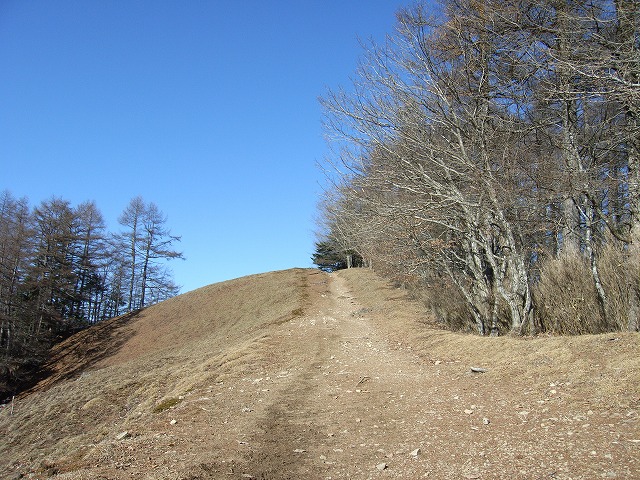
(347, 381)
(340, 409)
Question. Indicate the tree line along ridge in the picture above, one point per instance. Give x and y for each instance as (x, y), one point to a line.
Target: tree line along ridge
(488, 155)
(60, 271)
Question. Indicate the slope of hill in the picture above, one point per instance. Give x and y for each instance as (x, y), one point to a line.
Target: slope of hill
(303, 374)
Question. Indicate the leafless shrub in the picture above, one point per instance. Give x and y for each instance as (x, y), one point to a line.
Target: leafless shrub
(567, 299)
(447, 305)
(614, 265)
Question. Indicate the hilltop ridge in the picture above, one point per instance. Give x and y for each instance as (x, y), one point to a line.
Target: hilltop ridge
(300, 373)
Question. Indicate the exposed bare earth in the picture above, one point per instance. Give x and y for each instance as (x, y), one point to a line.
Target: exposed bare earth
(301, 374)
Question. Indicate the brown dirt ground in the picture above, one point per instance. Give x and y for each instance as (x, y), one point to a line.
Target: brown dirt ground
(301, 374)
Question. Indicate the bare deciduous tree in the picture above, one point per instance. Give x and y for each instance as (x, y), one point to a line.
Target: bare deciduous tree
(482, 141)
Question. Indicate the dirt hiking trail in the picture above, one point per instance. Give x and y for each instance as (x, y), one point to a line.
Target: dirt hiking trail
(355, 383)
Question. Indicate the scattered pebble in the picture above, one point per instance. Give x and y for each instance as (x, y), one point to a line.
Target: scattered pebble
(415, 453)
(381, 466)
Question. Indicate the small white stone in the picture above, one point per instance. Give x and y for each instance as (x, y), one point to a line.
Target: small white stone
(381, 466)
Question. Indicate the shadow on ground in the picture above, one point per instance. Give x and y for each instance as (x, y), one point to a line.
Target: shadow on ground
(80, 352)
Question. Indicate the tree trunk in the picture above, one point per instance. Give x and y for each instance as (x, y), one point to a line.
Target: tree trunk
(633, 281)
(145, 270)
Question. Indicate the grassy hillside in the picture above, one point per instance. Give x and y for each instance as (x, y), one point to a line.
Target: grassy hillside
(292, 373)
(127, 368)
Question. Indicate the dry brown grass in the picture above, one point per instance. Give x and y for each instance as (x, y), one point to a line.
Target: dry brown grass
(447, 305)
(566, 297)
(606, 366)
(221, 342)
(120, 371)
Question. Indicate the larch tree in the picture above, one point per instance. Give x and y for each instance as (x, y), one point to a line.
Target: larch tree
(60, 271)
(156, 245)
(15, 253)
(92, 256)
(131, 219)
(146, 241)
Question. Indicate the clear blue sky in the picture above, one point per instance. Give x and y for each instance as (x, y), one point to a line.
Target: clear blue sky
(207, 108)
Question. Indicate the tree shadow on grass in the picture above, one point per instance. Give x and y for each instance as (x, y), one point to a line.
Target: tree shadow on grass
(78, 353)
